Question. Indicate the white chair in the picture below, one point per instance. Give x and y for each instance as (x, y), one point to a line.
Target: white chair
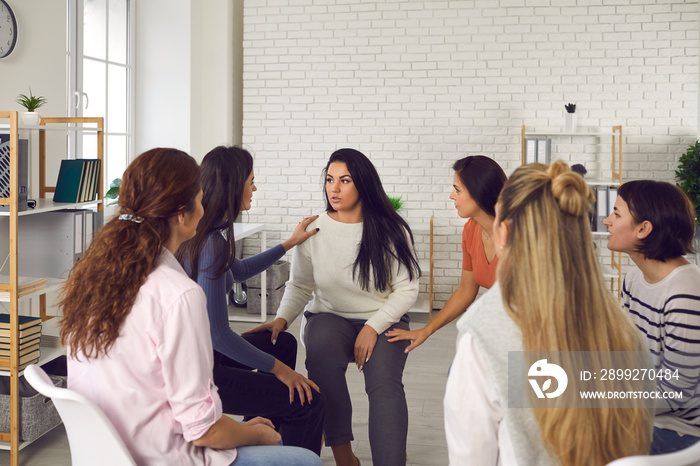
(91, 435)
(687, 457)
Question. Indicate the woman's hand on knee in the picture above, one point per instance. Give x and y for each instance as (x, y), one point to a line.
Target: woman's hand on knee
(364, 345)
(260, 420)
(275, 327)
(295, 382)
(263, 431)
(417, 337)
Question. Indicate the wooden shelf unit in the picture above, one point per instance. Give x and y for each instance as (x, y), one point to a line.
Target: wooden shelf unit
(614, 180)
(50, 350)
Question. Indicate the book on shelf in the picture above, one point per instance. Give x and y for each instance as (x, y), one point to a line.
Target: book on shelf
(24, 321)
(51, 341)
(612, 197)
(24, 361)
(544, 149)
(27, 332)
(76, 180)
(33, 339)
(602, 206)
(5, 353)
(530, 150)
(86, 182)
(25, 286)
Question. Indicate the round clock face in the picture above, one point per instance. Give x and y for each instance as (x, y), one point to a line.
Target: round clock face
(8, 29)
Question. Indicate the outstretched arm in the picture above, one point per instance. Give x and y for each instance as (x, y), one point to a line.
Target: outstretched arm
(244, 269)
(297, 293)
(461, 299)
(299, 235)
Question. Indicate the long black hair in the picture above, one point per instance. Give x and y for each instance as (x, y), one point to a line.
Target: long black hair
(384, 231)
(224, 171)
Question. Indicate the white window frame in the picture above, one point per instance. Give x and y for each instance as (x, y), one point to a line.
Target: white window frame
(74, 68)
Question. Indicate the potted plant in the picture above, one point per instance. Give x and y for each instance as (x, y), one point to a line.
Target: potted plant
(31, 103)
(113, 192)
(396, 202)
(570, 117)
(688, 177)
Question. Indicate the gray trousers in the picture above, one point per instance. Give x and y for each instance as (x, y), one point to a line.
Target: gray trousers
(330, 343)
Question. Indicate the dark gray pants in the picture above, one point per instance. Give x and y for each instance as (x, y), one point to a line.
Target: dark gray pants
(330, 343)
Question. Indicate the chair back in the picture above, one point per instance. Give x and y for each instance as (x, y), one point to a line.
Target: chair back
(689, 456)
(91, 435)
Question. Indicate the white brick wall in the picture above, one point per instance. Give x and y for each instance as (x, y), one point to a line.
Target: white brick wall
(415, 85)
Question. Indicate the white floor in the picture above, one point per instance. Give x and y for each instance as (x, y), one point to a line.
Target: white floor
(424, 379)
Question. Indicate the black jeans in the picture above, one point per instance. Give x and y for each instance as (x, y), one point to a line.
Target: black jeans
(250, 393)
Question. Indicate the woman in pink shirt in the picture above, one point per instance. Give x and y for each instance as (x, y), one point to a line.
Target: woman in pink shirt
(137, 333)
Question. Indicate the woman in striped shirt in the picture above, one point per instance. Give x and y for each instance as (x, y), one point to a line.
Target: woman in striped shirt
(654, 223)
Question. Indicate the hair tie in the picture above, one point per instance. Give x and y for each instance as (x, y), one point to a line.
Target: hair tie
(133, 218)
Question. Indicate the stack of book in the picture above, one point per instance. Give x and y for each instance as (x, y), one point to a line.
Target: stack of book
(78, 180)
(29, 340)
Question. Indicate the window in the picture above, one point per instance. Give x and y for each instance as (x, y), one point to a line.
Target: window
(100, 77)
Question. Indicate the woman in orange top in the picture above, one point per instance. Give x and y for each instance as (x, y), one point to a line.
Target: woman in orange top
(478, 181)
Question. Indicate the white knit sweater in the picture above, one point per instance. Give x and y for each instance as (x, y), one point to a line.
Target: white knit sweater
(322, 271)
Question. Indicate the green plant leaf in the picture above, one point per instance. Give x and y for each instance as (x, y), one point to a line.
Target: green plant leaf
(396, 202)
(31, 102)
(688, 174)
(113, 192)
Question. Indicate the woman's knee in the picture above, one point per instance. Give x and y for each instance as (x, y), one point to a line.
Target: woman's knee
(329, 334)
(275, 456)
(286, 342)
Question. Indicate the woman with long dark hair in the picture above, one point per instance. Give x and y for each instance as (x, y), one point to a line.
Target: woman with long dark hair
(275, 390)
(136, 331)
(361, 272)
(478, 181)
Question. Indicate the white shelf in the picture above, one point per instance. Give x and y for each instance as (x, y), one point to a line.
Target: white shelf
(562, 133)
(241, 230)
(22, 444)
(52, 284)
(422, 304)
(47, 205)
(53, 127)
(601, 182)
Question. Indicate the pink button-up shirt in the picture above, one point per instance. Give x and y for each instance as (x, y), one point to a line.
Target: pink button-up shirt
(156, 383)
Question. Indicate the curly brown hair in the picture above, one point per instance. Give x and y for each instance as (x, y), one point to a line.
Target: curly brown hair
(102, 287)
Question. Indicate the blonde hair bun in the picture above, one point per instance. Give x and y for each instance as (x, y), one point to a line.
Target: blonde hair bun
(569, 189)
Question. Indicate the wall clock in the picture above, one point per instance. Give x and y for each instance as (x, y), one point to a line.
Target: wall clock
(8, 29)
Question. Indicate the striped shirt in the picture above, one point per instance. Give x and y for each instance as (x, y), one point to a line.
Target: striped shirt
(668, 315)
